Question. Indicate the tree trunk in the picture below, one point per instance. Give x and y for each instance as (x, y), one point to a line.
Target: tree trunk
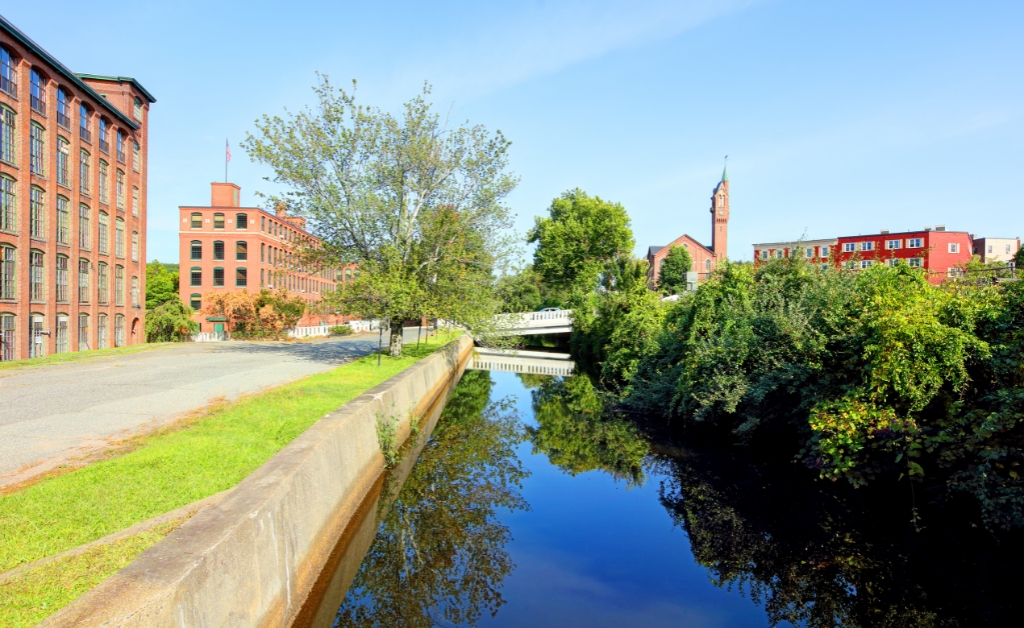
(395, 344)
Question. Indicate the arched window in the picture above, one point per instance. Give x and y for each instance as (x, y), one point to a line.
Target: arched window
(218, 221)
(83, 124)
(196, 301)
(135, 291)
(64, 220)
(63, 162)
(241, 221)
(121, 146)
(103, 283)
(8, 340)
(263, 252)
(37, 91)
(37, 150)
(104, 239)
(104, 140)
(61, 335)
(102, 331)
(63, 108)
(8, 273)
(118, 330)
(83, 281)
(36, 342)
(8, 204)
(135, 201)
(60, 279)
(119, 237)
(197, 250)
(84, 180)
(104, 182)
(119, 285)
(37, 213)
(83, 332)
(218, 277)
(218, 249)
(8, 72)
(135, 246)
(8, 124)
(136, 157)
(36, 276)
(197, 220)
(84, 234)
(241, 251)
(120, 190)
(196, 276)
(707, 265)
(241, 277)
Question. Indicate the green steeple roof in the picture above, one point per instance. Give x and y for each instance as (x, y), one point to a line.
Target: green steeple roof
(725, 174)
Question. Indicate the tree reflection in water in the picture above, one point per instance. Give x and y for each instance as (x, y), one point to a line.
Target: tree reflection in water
(577, 435)
(439, 555)
(818, 559)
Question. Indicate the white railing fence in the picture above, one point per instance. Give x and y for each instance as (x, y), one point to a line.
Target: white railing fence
(209, 336)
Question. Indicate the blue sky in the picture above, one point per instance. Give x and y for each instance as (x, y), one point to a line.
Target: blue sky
(839, 118)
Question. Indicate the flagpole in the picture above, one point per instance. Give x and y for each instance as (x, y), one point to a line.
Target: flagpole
(226, 159)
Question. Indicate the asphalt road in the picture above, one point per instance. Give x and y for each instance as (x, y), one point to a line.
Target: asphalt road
(51, 412)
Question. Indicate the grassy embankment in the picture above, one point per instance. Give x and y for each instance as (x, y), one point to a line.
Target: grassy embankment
(167, 470)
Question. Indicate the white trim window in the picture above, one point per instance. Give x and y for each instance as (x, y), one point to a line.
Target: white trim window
(954, 247)
(915, 262)
(892, 262)
(867, 246)
(866, 263)
(849, 247)
(809, 252)
(915, 243)
(824, 251)
(892, 245)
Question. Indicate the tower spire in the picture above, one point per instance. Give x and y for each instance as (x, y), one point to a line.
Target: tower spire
(725, 170)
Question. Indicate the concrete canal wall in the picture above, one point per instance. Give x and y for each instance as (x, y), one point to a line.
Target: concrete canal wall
(252, 560)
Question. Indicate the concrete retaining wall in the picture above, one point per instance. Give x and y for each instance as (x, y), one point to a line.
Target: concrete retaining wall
(252, 559)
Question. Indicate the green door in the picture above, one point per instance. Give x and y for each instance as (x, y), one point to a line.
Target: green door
(218, 327)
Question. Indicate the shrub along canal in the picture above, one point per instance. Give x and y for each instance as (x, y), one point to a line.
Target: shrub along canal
(525, 507)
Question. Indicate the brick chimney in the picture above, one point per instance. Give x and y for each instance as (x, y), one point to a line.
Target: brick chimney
(281, 209)
(224, 195)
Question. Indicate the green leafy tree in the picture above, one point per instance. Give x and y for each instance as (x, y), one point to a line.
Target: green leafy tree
(170, 321)
(1018, 260)
(675, 265)
(578, 238)
(161, 284)
(418, 205)
(521, 291)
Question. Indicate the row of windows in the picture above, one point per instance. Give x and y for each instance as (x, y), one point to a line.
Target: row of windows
(61, 279)
(913, 262)
(890, 245)
(37, 162)
(241, 221)
(37, 220)
(267, 278)
(37, 89)
(61, 333)
(823, 252)
(277, 229)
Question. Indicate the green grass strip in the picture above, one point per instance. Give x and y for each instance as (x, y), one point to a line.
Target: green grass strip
(177, 467)
(35, 595)
(75, 356)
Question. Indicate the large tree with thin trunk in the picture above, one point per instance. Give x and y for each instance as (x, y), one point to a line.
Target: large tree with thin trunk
(417, 203)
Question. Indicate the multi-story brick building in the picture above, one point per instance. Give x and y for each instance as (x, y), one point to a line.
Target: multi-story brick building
(941, 253)
(73, 168)
(226, 247)
(996, 249)
(704, 259)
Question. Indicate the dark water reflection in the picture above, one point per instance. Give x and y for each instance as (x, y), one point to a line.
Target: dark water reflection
(541, 510)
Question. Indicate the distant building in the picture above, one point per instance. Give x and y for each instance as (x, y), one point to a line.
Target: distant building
(942, 253)
(73, 170)
(996, 249)
(704, 258)
(229, 248)
(814, 251)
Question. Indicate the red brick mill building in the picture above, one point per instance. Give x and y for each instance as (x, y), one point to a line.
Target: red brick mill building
(73, 171)
(225, 247)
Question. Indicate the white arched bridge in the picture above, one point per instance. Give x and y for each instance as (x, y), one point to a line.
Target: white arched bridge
(534, 323)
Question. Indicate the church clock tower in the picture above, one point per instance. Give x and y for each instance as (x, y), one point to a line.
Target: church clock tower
(720, 217)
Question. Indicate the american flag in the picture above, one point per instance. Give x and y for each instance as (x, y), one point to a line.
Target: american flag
(227, 147)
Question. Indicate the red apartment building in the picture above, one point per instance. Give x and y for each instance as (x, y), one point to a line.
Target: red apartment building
(704, 259)
(226, 247)
(73, 171)
(942, 253)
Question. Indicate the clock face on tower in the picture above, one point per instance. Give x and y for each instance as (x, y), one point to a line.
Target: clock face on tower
(721, 212)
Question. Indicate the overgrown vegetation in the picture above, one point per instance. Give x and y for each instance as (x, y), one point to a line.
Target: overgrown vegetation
(865, 376)
(167, 318)
(263, 314)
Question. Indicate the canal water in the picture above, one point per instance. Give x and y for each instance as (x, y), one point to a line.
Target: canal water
(527, 507)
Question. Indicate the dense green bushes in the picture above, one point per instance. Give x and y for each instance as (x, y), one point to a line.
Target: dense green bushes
(861, 375)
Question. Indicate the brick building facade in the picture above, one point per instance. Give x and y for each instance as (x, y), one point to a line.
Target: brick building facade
(227, 247)
(704, 258)
(73, 170)
(941, 253)
(815, 251)
(1001, 250)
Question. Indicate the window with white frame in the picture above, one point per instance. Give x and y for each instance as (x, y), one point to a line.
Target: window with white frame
(915, 262)
(809, 252)
(892, 245)
(824, 251)
(7, 126)
(867, 246)
(135, 201)
(915, 243)
(849, 247)
(954, 247)
(892, 262)
(764, 254)
(850, 265)
(866, 263)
